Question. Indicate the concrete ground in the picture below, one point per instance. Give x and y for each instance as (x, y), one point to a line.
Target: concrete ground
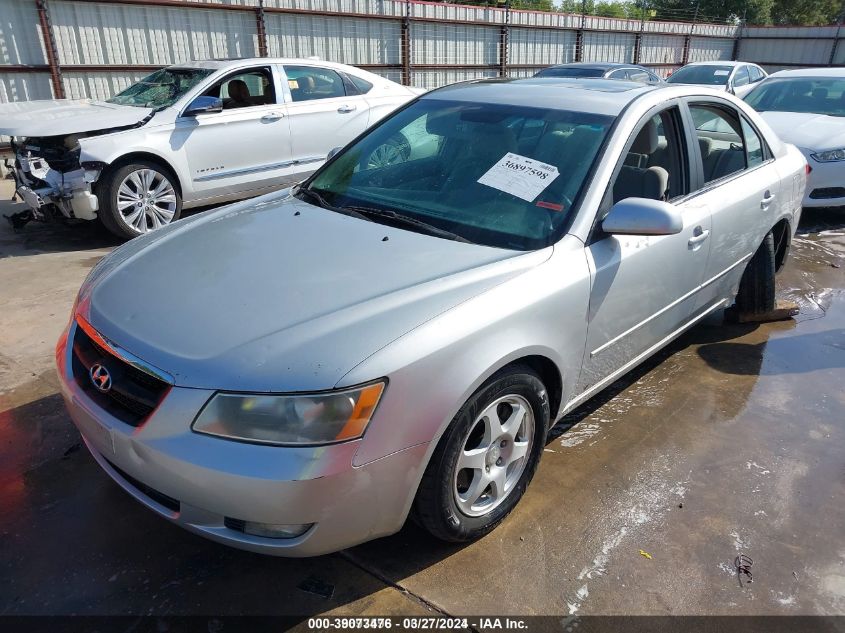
(731, 441)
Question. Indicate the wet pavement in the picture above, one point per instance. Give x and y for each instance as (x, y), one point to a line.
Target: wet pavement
(732, 440)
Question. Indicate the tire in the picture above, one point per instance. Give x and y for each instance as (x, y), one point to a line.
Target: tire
(757, 286)
(134, 184)
(453, 503)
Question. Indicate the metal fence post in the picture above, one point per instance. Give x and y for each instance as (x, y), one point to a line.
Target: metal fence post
(688, 38)
(405, 46)
(50, 48)
(738, 38)
(503, 47)
(638, 38)
(833, 48)
(261, 27)
(579, 34)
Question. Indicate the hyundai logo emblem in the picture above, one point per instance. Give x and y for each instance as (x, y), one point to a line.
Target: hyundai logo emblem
(100, 377)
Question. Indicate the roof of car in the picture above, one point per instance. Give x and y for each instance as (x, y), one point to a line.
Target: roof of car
(810, 72)
(720, 63)
(602, 65)
(220, 64)
(599, 96)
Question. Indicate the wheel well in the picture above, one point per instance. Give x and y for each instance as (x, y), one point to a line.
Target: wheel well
(783, 237)
(153, 158)
(550, 375)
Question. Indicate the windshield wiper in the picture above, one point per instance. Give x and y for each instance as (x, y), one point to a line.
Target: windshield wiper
(387, 214)
(322, 202)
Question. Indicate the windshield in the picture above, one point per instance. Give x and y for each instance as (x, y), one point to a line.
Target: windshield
(499, 175)
(800, 94)
(161, 89)
(706, 75)
(570, 72)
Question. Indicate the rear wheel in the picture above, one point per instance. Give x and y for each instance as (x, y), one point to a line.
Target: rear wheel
(757, 287)
(486, 458)
(137, 198)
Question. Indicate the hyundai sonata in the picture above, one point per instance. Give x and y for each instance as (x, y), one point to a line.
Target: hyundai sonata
(301, 372)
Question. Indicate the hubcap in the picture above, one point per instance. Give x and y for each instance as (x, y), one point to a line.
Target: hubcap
(493, 455)
(146, 200)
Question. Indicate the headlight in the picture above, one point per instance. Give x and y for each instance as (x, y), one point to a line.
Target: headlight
(830, 156)
(320, 418)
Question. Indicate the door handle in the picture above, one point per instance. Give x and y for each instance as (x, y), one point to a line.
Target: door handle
(272, 116)
(699, 236)
(768, 198)
(347, 108)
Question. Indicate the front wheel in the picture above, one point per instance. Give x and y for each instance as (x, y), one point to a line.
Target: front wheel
(137, 198)
(486, 458)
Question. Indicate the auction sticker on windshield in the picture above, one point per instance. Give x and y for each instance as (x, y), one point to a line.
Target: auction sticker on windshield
(520, 176)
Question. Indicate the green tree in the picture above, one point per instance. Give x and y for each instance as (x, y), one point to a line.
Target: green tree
(604, 8)
(754, 11)
(535, 5)
(806, 12)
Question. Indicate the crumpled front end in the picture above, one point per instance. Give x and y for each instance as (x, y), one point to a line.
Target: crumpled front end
(51, 180)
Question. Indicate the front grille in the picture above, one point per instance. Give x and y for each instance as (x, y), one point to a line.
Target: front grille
(134, 394)
(159, 497)
(234, 524)
(827, 193)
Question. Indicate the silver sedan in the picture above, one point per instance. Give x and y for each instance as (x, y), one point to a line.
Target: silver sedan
(299, 373)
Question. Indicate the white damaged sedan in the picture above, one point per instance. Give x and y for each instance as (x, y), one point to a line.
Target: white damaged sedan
(195, 134)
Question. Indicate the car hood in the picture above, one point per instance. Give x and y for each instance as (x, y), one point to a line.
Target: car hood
(816, 132)
(280, 295)
(64, 116)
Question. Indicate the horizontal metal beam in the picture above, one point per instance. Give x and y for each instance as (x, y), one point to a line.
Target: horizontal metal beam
(825, 38)
(24, 68)
(375, 16)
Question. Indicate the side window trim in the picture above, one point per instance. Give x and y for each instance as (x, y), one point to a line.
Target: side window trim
(718, 103)
(693, 153)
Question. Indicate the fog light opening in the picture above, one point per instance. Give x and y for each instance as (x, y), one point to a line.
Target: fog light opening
(268, 530)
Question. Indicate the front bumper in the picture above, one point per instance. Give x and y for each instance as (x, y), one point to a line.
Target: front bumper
(41, 187)
(198, 481)
(825, 184)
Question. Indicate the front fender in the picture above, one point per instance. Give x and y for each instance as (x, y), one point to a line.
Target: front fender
(436, 367)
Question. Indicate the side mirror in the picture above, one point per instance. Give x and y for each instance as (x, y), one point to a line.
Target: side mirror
(204, 105)
(643, 216)
(333, 152)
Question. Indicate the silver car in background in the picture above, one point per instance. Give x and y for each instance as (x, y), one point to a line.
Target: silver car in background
(297, 374)
(737, 78)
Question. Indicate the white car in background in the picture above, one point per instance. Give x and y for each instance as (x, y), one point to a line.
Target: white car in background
(189, 135)
(738, 78)
(807, 108)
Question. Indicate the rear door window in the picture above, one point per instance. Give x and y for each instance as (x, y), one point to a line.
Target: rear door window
(754, 154)
(307, 83)
(720, 140)
(741, 77)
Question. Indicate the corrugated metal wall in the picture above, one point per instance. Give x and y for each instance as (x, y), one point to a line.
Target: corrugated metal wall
(446, 43)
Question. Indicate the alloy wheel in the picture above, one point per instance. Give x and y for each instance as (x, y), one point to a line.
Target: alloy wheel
(146, 200)
(494, 455)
